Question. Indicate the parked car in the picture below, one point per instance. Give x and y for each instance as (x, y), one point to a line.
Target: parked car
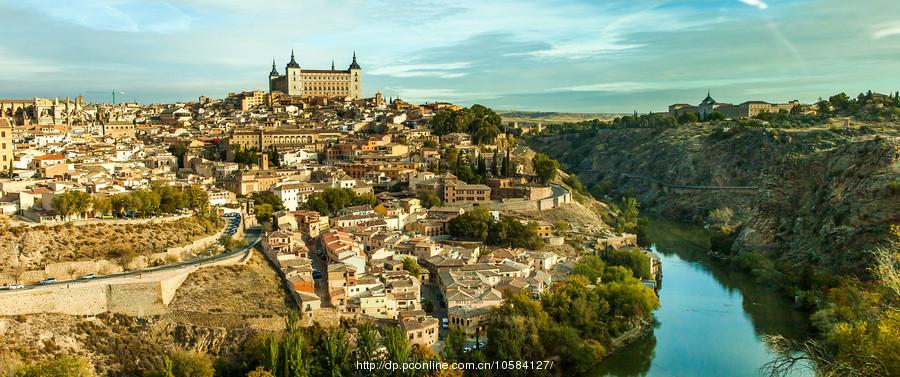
(88, 276)
(15, 286)
(316, 275)
(445, 323)
(47, 281)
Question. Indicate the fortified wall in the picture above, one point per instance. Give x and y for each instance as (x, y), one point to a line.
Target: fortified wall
(144, 295)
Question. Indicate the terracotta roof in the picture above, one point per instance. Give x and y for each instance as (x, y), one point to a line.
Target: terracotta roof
(50, 157)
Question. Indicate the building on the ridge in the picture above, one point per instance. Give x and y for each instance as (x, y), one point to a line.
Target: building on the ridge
(746, 109)
(6, 146)
(297, 81)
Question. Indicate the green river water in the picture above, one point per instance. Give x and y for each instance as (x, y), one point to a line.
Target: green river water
(711, 318)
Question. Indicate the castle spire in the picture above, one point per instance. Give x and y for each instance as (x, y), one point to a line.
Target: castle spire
(332, 64)
(354, 64)
(293, 62)
(274, 71)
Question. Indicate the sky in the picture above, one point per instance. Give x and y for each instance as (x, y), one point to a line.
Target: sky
(558, 55)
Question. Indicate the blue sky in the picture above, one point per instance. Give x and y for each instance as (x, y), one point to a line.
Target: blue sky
(586, 56)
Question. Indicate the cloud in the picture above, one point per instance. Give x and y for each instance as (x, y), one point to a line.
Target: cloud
(756, 3)
(885, 31)
(115, 15)
(580, 50)
(440, 70)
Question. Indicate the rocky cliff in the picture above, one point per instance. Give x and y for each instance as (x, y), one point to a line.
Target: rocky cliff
(825, 195)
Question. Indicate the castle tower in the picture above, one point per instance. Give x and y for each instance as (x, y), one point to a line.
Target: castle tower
(272, 77)
(355, 78)
(294, 78)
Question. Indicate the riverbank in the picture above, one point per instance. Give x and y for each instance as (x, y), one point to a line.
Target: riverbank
(711, 319)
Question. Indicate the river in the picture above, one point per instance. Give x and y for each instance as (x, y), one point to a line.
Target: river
(711, 318)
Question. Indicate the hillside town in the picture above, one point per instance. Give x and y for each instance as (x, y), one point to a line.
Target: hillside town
(355, 198)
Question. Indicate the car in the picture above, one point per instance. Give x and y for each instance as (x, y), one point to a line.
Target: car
(317, 275)
(47, 281)
(481, 345)
(467, 349)
(15, 286)
(88, 276)
(445, 323)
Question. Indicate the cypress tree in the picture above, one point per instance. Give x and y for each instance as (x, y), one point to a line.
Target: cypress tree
(495, 170)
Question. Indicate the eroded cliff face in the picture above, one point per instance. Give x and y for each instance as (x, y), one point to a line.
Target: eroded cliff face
(824, 195)
(829, 207)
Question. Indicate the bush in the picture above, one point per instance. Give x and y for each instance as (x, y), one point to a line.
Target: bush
(66, 366)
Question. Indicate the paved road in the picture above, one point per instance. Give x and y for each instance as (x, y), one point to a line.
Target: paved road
(251, 235)
(320, 264)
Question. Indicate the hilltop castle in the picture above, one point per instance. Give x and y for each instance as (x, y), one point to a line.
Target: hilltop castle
(746, 109)
(301, 82)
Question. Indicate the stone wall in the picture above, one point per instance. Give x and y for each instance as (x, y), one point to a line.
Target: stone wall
(147, 295)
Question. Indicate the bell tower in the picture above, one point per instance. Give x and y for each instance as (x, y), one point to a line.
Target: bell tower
(355, 78)
(294, 78)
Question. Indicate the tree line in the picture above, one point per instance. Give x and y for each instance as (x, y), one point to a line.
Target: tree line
(480, 122)
(158, 199)
(479, 225)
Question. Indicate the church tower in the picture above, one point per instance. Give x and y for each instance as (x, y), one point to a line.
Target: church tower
(355, 78)
(294, 78)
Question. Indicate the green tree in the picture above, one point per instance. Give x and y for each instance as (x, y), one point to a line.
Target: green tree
(333, 353)
(412, 266)
(294, 362)
(715, 115)
(840, 101)
(429, 198)
(454, 344)
(495, 168)
(191, 364)
(472, 225)
(590, 266)
(634, 259)
(101, 204)
(688, 117)
(394, 341)
(267, 197)
(629, 212)
(65, 366)
(178, 150)
(72, 203)
(264, 212)
(367, 342)
(544, 167)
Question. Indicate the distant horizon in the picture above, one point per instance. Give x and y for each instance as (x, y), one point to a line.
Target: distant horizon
(573, 56)
(484, 103)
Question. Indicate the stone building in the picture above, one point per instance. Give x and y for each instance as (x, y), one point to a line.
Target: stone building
(300, 82)
(6, 145)
(746, 109)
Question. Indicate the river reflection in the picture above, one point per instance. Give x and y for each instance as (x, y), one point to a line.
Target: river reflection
(711, 318)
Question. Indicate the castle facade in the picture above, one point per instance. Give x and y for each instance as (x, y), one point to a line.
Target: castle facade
(302, 82)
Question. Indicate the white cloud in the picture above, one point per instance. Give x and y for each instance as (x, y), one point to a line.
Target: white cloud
(887, 30)
(443, 70)
(756, 3)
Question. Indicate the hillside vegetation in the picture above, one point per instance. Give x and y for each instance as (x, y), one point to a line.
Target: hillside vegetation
(34, 247)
